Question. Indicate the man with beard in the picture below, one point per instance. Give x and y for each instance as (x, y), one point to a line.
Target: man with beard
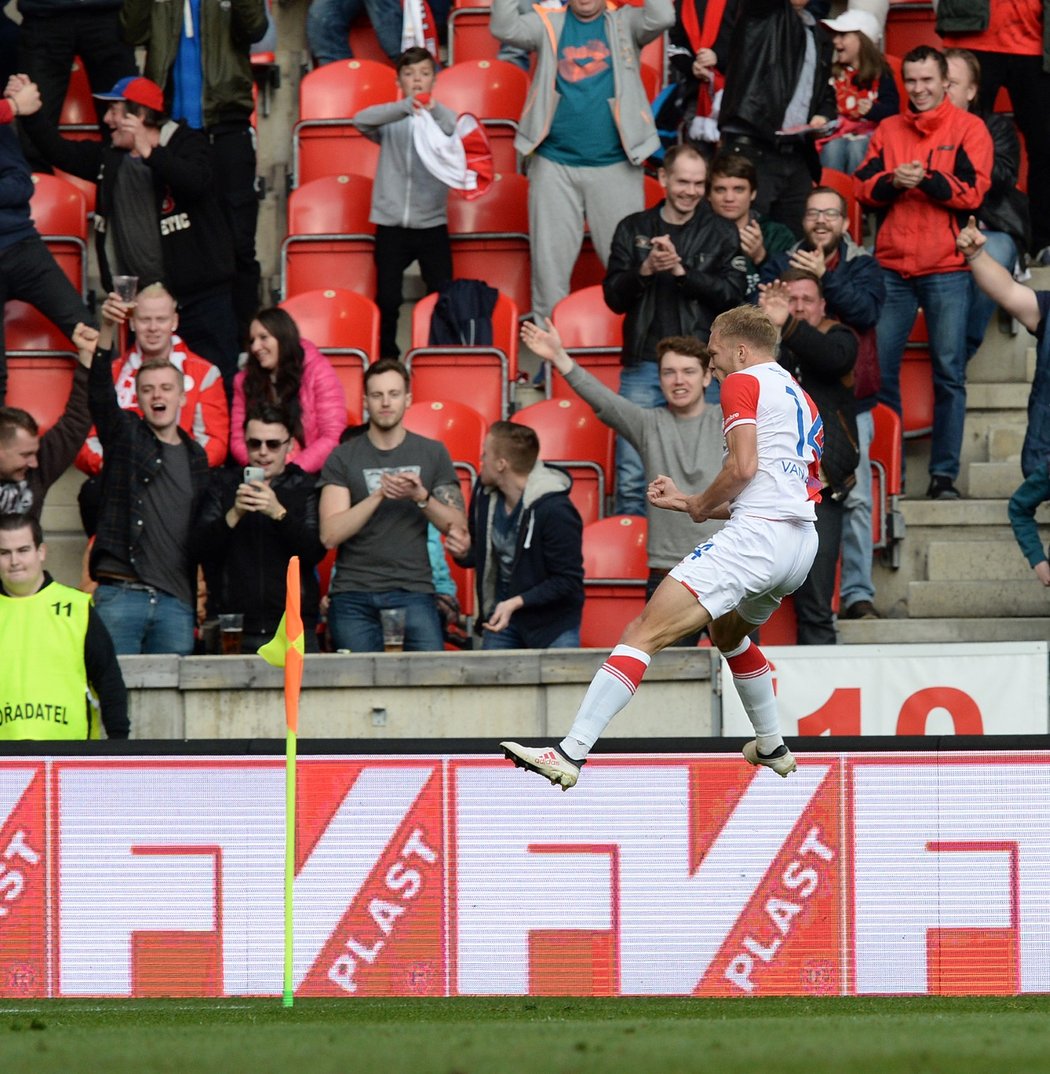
(379, 489)
(853, 288)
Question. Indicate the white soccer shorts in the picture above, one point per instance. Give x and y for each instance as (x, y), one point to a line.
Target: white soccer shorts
(750, 564)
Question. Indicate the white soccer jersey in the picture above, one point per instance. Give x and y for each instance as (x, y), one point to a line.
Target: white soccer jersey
(790, 441)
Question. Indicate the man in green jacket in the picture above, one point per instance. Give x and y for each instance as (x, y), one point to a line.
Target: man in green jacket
(59, 663)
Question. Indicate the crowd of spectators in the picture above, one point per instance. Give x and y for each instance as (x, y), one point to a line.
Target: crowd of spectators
(219, 444)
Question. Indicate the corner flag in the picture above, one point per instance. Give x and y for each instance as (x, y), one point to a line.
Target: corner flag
(286, 651)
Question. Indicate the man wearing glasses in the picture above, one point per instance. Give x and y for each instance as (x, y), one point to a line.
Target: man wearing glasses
(852, 284)
(250, 526)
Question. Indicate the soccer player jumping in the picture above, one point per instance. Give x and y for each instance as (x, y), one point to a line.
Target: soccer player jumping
(732, 583)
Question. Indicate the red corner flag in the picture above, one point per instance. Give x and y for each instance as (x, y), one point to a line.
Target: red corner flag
(287, 648)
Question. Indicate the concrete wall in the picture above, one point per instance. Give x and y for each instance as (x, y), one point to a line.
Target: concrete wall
(524, 694)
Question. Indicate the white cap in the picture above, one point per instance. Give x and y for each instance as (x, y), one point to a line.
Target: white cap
(863, 22)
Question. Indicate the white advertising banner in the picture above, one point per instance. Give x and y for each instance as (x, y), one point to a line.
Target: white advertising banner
(965, 689)
(658, 874)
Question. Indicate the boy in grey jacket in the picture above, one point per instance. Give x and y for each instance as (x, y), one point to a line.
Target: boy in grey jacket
(409, 205)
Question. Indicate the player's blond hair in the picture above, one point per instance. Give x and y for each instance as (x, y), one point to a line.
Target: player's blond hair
(750, 325)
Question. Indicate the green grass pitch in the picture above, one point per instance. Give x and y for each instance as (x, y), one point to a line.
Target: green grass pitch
(522, 1036)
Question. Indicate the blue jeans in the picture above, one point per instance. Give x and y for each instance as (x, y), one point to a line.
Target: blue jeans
(353, 619)
(999, 247)
(145, 621)
(509, 638)
(945, 297)
(855, 583)
(844, 154)
(640, 384)
(328, 27)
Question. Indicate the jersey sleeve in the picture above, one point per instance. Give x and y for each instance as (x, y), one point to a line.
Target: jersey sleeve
(739, 401)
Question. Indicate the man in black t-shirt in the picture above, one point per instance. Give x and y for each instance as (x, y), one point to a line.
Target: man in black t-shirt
(672, 270)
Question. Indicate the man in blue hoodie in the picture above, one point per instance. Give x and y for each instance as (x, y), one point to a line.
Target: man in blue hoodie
(525, 539)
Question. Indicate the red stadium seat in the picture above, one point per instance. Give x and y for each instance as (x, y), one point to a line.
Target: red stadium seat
(59, 212)
(616, 571)
(27, 330)
(364, 45)
(79, 117)
(490, 238)
(593, 336)
(481, 376)
(469, 37)
(344, 325)
(40, 385)
(337, 320)
(908, 24)
(350, 368)
(494, 91)
(781, 628)
(916, 382)
(887, 479)
(572, 437)
(330, 241)
(324, 142)
(842, 184)
(458, 426)
(652, 66)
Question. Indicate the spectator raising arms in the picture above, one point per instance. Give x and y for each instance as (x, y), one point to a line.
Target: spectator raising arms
(285, 370)
(865, 89)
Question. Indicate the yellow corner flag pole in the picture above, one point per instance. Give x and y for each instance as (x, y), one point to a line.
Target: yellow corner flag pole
(286, 650)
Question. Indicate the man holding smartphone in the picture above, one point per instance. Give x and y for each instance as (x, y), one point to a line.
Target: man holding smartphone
(252, 523)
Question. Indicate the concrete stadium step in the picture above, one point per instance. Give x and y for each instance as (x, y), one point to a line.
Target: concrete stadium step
(918, 631)
(997, 598)
(1002, 357)
(1002, 396)
(991, 480)
(959, 514)
(976, 561)
(1005, 441)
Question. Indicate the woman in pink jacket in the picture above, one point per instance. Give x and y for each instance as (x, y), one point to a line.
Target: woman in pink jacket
(291, 372)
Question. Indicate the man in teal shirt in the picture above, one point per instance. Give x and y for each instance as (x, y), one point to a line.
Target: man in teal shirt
(586, 127)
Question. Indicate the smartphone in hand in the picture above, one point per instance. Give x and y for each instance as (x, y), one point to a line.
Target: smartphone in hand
(254, 473)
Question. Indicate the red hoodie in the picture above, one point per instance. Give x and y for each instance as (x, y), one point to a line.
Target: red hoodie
(918, 227)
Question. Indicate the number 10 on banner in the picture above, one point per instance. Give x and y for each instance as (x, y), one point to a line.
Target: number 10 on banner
(902, 690)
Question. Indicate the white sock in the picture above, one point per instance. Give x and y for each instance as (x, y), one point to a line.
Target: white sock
(612, 687)
(753, 680)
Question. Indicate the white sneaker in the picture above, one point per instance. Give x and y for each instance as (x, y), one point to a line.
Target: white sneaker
(546, 761)
(780, 760)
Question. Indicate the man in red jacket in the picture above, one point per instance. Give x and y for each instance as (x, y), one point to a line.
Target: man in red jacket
(926, 168)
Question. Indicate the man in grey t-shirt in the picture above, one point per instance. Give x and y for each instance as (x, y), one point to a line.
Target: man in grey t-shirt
(682, 440)
(379, 490)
